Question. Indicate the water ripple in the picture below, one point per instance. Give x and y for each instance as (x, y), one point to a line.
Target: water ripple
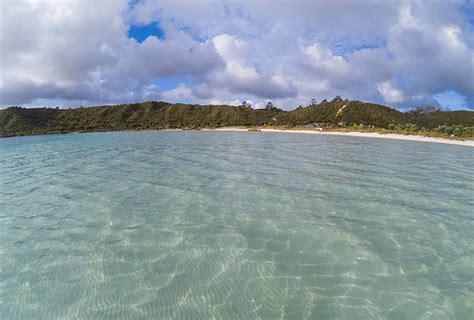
(201, 225)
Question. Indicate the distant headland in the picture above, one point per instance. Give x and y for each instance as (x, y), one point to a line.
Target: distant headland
(337, 115)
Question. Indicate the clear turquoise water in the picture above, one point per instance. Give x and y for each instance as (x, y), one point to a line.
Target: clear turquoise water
(202, 225)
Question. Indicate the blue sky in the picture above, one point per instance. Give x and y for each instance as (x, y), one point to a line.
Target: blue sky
(402, 54)
(452, 100)
(140, 33)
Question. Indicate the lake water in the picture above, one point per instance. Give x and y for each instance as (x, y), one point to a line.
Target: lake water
(234, 225)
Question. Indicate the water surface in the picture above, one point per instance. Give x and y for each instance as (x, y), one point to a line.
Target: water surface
(202, 225)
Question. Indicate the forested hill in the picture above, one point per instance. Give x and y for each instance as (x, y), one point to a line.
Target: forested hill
(162, 115)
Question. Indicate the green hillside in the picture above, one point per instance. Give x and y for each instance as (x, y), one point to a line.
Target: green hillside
(345, 111)
(162, 115)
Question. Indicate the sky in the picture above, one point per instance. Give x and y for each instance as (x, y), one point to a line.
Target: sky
(71, 53)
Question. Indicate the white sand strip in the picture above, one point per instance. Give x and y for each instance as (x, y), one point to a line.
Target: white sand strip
(226, 129)
(468, 143)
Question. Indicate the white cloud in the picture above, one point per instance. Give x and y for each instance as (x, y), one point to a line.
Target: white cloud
(389, 93)
(241, 75)
(179, 94)
(432, 55)
(65, 50)
(322, 60)
(75, 52)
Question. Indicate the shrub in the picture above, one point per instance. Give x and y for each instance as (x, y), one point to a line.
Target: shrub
(468, 131)
(448, 130)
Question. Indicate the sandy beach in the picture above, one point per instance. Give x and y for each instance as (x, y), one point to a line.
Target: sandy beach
(467, 143)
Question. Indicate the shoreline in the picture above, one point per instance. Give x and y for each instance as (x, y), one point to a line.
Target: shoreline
(393, 136)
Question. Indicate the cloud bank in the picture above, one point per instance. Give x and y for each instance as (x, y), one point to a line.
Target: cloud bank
(401, 53)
